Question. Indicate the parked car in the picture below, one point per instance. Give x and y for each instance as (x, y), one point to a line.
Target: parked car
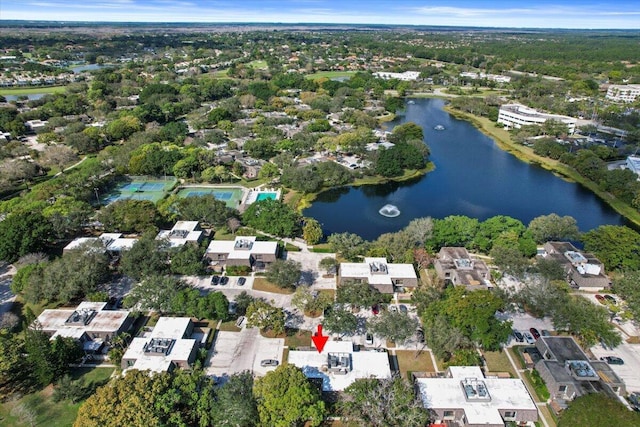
(613, 360)
(233, 307)
(535, 333)
(529, 338)
(375, 309)
(224, 280)
(518, 336)
(269, 362)
(611, 299)
(215, 280)
(420, 336)
(368, 339)
(634, 400)
(393, 308)
(600, 299)
(241, 281)
(545, 333)
(403, 309)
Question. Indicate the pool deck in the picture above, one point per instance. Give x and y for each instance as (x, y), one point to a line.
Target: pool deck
(252, 195)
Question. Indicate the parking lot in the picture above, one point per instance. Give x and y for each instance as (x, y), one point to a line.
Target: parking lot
(628, 372)
(234, 352)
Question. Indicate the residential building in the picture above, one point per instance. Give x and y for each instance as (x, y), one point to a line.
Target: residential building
(183, 232)
(584, 271)
(113, 243)
(406, 76)
(494, 77)
(90, 323)
(517, 115)
(243, 250)
(377, 273)
(454, 264)
(173, 343)
(35, 126)
(465, 397)
(339, 365)
(568, 372)
(623, 93)
(633, 164)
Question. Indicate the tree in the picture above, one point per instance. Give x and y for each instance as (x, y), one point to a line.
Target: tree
(312, 231)
(626, 285)
(509, 260)
(383, 403)
(394, 326)
(206, 209)
(67, 216)
(443, 339)
(187, 260)
(329, 264)
(618, 247)
(406, 132)
(235, 405)
(553, 227)
(130, 215)
(420, 229)
(58, 156)
(189, 302)
(454, 230)
(155, 293)
(349, 245)
(395, 247)
(340, 321)
(357, 294)
(146, 257)
(274, 217)
(23, 234)
(286, 398)
(597, 410)
(284, 273)
(262, 315)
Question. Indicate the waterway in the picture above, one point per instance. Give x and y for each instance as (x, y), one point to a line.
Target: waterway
(473, 177)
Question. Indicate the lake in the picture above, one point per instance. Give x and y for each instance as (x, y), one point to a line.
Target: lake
(473, 177)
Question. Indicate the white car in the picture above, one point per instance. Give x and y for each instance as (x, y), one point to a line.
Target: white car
(529, 338)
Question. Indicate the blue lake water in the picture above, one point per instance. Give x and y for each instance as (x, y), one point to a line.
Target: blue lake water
(473, 177)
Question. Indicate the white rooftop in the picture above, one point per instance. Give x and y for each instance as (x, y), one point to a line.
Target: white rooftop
(170, 327)
(107, 321)
(242, 247)
(182, 233)
(377, 270)
(364, 364)
(448, 393)
(106, 238)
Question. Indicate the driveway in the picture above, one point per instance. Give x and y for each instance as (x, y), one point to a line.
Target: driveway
(234, 352)
(311, 271)
(628, 372)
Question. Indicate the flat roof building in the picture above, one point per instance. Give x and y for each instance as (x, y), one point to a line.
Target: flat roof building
(584, 271)
(338, 366)
(406, 76)
(377, 273)
(454, 264)
(465, 397)
(568, 372)
(172, 343)
(183, 232)
(633, 164)
(113, 242)
(243, 250)
(518, 115)
(623, 93)
(90, 323)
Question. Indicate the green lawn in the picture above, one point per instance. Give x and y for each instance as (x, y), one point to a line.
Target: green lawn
(297, 338)
(229, 326)
(534, 379)
(408, 362)
(39, 409)
(329, 74)
(258, 64)
(262, 284)
(32, 90)
(597, 410)
(497, 361)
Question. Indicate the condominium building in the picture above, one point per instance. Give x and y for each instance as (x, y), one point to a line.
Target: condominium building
(517, 115)
(623, 93)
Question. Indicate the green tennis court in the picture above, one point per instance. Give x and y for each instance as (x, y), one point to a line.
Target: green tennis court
(230, 195)
(140, 188)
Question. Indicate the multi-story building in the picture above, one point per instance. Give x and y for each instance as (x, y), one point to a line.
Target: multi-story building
(517, 115)
(183, 232)
(584, 271)
(454, 264)
(623, 93)
(465, 397)
(377, 273)
(243, 250)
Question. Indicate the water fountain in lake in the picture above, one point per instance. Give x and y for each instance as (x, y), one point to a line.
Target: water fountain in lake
(390, 211)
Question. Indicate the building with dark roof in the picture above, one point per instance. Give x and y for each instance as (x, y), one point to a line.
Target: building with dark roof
(455, 265)
(584, 271)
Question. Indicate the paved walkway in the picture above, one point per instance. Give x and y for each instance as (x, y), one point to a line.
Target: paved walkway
(531, 392)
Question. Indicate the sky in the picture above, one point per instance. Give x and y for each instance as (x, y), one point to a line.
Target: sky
(586, 14)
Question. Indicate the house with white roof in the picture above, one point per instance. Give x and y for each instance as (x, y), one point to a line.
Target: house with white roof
(338, 365)
(183, 232)
(113, 243)
(173, 343)
(243, 250)
(376, 272)
(518, 115)
(467, 398)
(90, 323)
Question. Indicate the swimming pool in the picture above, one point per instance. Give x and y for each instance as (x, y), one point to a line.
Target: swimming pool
(266, 196)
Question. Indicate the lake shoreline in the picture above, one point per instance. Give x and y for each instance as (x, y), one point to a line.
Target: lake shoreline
(526, 155)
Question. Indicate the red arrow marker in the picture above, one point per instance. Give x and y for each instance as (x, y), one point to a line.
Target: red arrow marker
(319, 340)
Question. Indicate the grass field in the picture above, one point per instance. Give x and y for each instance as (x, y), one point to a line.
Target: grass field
(39, 409)
(329, 74)
(262, 284)
(32, 90)
(408, 362)
(258, 64)
(297, 338)
(497, 361)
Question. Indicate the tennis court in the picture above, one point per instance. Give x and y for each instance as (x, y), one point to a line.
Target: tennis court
(140, 188)
(232, 196)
